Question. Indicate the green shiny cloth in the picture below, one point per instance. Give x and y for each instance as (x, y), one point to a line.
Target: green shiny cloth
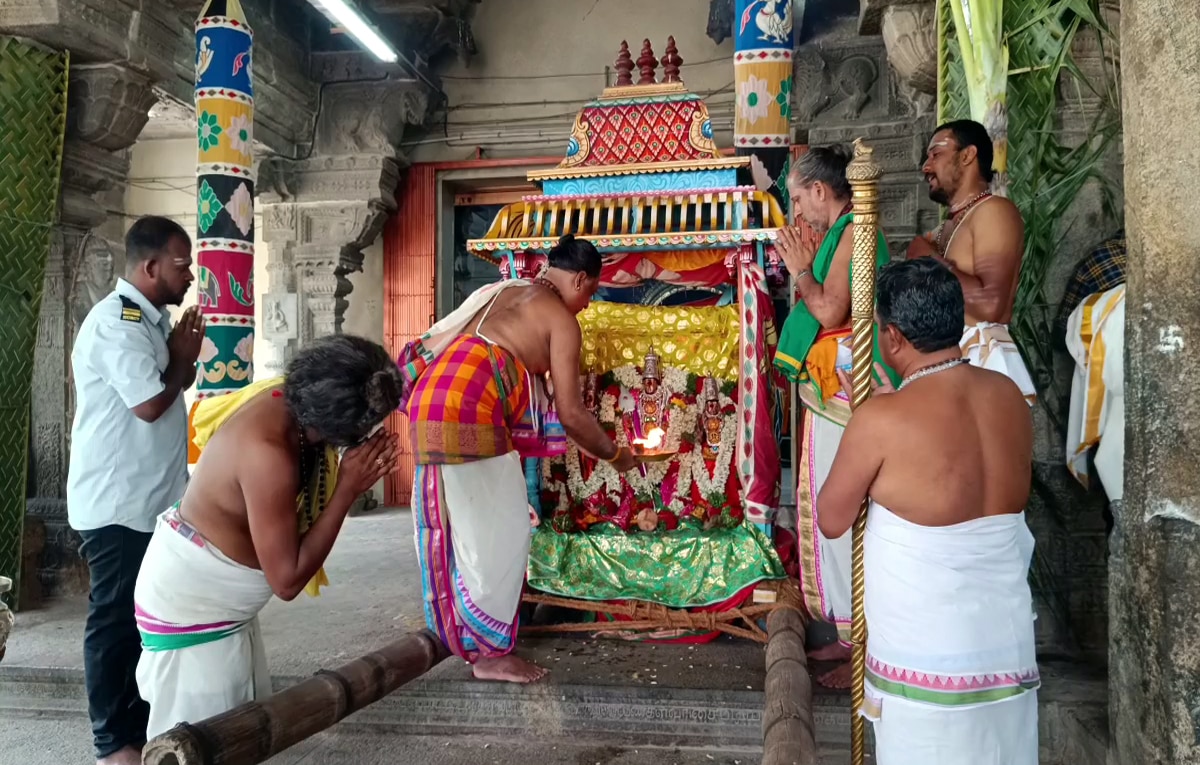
(680, 569)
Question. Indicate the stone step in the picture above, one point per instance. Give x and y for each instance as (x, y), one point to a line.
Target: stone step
(1072, 713)
(570, 714)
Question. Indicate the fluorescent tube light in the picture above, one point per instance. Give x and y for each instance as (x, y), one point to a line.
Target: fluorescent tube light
(359, 29)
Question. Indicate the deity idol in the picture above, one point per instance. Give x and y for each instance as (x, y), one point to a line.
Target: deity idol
(651, 401)
(711, 420)
(591, 393)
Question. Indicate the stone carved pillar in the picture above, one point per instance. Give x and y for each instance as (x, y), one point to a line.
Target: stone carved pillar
(1154, 564)
(107, 109)
(320, 213)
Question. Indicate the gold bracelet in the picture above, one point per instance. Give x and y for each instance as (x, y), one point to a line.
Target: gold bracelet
(616, 456)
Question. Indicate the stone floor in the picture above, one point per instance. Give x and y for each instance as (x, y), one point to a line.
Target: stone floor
(605, 701)
(374, 598)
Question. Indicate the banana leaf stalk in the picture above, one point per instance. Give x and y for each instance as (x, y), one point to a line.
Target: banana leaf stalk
(979, 26)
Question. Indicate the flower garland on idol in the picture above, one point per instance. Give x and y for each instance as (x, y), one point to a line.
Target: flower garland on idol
(682, 420)
(712, 486)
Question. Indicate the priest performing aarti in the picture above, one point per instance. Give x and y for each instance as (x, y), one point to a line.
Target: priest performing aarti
(476, 402)
(675, 362)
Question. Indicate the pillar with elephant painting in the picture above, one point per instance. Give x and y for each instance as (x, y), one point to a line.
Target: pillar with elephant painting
(225, 196)
(677, 352)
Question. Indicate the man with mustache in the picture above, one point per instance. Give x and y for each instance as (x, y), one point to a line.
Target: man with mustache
(982, 241)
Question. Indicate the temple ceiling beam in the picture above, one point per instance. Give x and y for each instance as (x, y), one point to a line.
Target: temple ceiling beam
(156, 39)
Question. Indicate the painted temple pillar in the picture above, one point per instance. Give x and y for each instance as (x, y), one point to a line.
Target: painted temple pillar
(107, 109)
(762, 63)
(1154, 563)
(224, 240)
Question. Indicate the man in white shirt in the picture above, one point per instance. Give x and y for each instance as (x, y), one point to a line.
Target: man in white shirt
(128, 460)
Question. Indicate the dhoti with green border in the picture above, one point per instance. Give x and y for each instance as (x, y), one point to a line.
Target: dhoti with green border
(197, 612)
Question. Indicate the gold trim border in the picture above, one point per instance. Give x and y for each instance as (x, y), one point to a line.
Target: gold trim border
(634, 169)
(643, 91)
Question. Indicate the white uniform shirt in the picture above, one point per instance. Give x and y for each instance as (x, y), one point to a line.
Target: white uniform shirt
(123, 471)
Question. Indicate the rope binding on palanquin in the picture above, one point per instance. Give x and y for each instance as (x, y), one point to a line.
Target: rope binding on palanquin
(644, 616)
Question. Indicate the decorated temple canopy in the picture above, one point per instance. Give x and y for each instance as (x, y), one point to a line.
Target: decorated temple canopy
(715, 218)
(641, 174)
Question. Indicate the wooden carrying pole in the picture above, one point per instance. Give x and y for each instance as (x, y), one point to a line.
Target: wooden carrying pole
(789, 734)
(863, 174)
(258, 730)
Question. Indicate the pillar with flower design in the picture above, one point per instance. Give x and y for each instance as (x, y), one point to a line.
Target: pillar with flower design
(762, 65)
(224, 245)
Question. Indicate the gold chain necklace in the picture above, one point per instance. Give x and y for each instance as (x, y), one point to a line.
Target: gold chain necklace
(932, 369)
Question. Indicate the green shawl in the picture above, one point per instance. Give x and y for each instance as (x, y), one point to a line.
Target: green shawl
(801, 328)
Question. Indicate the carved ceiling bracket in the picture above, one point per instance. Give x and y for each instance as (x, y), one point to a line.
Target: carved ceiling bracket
(322, 211)
(318, 217)
(871, 13)
(910, 36)
(107, 107)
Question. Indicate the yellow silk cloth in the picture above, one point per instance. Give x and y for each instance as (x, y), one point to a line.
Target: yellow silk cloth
(702, 341)
(209, 414)
(821, 364)
(685, 260)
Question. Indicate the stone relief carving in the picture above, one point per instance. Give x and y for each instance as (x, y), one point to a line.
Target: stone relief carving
(364, 118)
(280, 322)
(856, 75)
(839, 84)
(812, 83)
(94, 278)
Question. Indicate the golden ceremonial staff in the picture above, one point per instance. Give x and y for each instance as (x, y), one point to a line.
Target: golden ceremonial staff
(863, 174)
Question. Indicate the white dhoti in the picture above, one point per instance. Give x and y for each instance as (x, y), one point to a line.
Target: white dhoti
(202, 650)
(1096, 340)
(824, 562)
(472, 536)
(990, 346)
(951, 674)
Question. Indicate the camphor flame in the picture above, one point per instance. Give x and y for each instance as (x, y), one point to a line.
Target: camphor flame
(652, 442)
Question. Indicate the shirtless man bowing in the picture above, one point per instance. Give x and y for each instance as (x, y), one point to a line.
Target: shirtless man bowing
(259, 518)
(951, 675)
(476, 405)
(982, 242)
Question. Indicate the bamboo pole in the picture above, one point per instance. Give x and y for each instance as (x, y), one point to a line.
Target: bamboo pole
(789, 734)
(863, 174)
(258, 730)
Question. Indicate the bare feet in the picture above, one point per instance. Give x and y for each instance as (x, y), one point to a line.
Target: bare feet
(508, 669)
(835, 651)
(839, 677)
(127, 756)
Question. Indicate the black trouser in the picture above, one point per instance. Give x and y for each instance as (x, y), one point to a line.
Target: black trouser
(111, 645)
